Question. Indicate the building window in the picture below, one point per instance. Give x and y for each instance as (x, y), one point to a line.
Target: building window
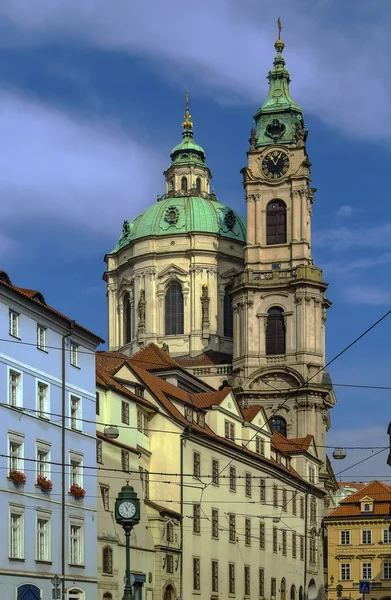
(196, 573)
(367, 508)
(74, 355)
(169, 532)
(107, 560)
(260, 445)
(311, 474)
(127, 320)
(228, 316)
(248, 484)
(97, 404)
(273, 587)
(215, 523)
(387, 570)
(301, 547)
(229, 430)
(247, 532)
(279, 424)
(174, 310)
(41, 338)
(125, 412)
(13, 323)
(275, 495)
(15, 388)
(201, 419)
(142, 422)
(189, 414)
(215, 471)
(313, 511)
(284, 500)
(232, 528)
(302, 507)
(231, 576)
(262, 488)
(76, 554)
(367, 536)
(43, 538)
(293, 544)
(184, 188)
(198, 184)
(275, 331)
(43, 400)
(386, 536)
(139, 390)
(312, 552)
(345, 537)
(144, 476)
(196, 518)
(262, 535)
(76, 413)
(43, 460)
(284, 542)
(16, 462)
(196, 464)
(232, 479)
(99, 452)
(104, 492)
(170, 563)
(16, 533)
(345, 571)
(367, 570)
(247, 581)
(215, 576)
(261, 583)
(275, 223)
(294, 503)
(275, 539)
(76, 471)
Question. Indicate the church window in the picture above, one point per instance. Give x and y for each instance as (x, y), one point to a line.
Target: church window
(275, 331)
(276, 222)
(184, 184)
(279, 424)
(198, 184)
(107, 560)
(174, 310)
(128, 320)
(228, 316)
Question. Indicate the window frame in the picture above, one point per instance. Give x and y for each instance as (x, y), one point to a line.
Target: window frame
(18, 440)
(215, 524)
(196, 464)
(41, 338)
(215, 472)
(248, 484)
(196, 518)
(345, 572)
(19, 512)
(107, 557)
(262, 490)
(19, 388)
(105, 496)
(75, 468)
(276, 222)
(174, 310)
(42, 413)
(99, 451)
(43, 462)
(74, 355)
(125, 410)
(215, 576)
(13, 323)
(275, 335)
(261, 577)
(345, 534)
(262, 535)
(231, 578)
(364, 534)
(43, 516)
(232, 528)
(247, 531)
(386, 569)
(75, 416)
(247, 580)
(366, 567)
(196, 573)
(78, 552)
(232, 479)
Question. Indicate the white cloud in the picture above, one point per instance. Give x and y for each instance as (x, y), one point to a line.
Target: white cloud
(367, 294)
(345, 266)
(342, 238)
(57, 167)
(345, 211)
(228, 47)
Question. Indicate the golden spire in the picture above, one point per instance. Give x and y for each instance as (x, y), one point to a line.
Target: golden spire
(187, 123)
(279, 45)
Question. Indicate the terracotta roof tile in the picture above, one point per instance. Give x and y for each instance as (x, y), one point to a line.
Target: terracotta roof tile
(251, 412)
(207, 399)
(291, 445)
(210, 357)
(153, 358)
(376, 490)
(352, 484)
(351, 507)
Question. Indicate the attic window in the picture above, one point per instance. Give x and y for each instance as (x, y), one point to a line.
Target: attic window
(366, 507)
(139, 391)
(201, 419)
(189, 414)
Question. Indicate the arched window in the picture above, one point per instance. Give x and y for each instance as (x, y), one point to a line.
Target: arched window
(228, 316)
(28, 591)
(169, 532)
(184, 184)
(279, 424)
(75, 594)
(198, 184)
(127, 320)
(301, 593)
(293, 593)
(107, 560)
(174, 310)
(283, 589)
(276, 222)
(107, 596)
(275, 331)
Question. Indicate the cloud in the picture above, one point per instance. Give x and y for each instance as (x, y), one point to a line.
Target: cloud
(345, 211)
(227, 46)
(7, 245)
(367, 294)
(61, 169)
(342, 238)
(346, 266)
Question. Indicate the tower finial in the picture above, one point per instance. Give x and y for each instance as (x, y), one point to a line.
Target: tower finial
(187, 123)
(279, 45)
(279, 27)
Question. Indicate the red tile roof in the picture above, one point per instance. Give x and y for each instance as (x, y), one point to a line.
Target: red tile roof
(351, 506)
(210, 357)
(291, 445)
(250, 413)
(153, 358)
(207, 399)
(37, 298)
(351, 484)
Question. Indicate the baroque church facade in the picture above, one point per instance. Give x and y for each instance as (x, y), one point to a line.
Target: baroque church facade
(234, 301)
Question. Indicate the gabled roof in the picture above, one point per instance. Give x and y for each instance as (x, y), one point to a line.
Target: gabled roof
(210, 357)
(351, 506)
(208, 399)
(38, 299)
(291, 445)
(251, 412)
(153, 358)
(378, 491)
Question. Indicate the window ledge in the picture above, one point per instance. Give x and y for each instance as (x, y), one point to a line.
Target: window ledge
(75, 366)
(43, 562)
(14, 336)
(42, 350)
(16, 559)
(77, 566)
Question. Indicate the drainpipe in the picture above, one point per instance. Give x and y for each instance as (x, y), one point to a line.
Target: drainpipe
(182, 443)
(63, 453)
(305, 544)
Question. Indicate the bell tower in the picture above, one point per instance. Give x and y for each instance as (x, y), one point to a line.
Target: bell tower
(279, 300)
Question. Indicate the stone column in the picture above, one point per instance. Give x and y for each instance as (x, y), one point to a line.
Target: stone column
(296, 215)
(237, 331)
(213, 295)
(260, 232)
(250, 201)
(111, 292)
(120, 309)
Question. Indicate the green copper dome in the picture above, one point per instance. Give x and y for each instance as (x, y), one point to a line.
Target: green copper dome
(182, 215)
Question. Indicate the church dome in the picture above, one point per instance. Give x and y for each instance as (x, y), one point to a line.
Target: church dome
(182, 215)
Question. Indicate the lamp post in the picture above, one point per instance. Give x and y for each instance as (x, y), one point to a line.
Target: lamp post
(127, 514)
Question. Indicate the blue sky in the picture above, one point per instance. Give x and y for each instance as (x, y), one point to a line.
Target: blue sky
(91, 103)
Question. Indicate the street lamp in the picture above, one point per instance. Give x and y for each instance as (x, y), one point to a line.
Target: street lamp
(127, 514)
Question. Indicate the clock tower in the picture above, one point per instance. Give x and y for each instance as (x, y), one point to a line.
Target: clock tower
(279, 301)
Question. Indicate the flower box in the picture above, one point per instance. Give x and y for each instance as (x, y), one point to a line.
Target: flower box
(44, 483)
(17, 477)
(77, 491)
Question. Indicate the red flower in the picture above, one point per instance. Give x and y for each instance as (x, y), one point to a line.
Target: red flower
(17, 476)
(77, 491)
(44, 483)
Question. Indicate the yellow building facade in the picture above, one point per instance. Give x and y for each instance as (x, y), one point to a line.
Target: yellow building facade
(359, 543)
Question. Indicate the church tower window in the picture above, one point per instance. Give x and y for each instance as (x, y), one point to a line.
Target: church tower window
(228, 316)
(127, 320)
(275, 331)
(279, 424)
(198, 184)
(174, 309)
(184, 184)
(276, 222)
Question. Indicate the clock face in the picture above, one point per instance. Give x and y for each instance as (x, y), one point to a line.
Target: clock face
(127, 510)
(275, 164)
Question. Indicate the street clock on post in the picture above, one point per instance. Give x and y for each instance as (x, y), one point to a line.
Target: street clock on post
(127, 507)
